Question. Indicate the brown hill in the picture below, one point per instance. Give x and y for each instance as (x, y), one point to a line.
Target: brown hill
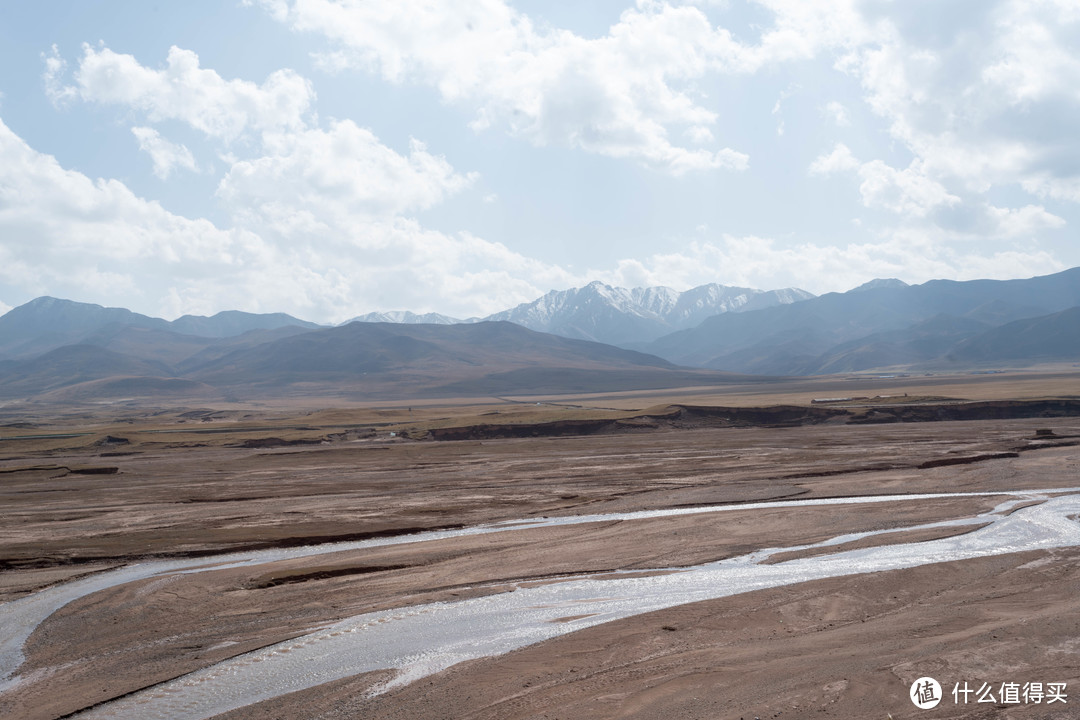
(133, 389)
(70, 365)
(355, 361)
(386, 359)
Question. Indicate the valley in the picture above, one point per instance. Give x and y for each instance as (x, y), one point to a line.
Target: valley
(261, 524)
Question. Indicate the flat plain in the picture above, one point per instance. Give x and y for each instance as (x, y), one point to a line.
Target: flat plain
(86, 489)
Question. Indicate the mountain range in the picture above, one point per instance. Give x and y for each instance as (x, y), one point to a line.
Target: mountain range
(615, 315)
(938, 324)
(48, 323)
(61, 350)
(630, 317)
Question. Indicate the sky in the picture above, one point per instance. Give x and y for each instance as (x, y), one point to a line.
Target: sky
(329, 158)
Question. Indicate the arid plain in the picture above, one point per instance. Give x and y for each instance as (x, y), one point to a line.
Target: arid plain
(87, 489)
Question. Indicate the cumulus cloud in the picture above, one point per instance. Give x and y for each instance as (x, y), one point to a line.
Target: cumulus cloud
(620, 95)
(989, 101)
(913, 194)
(100, 242)
(1048, 185)
(839, 160)
(324, 214)
(65, 225)
(955, 82)
(925, 202)
(320, 216)
(164, 154)
(55, 68)
(948, 80)
(184, 91)
(341, 175)
(909, 191)
(1021, 222)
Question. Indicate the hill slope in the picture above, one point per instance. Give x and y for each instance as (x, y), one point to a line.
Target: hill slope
(396, 359)
(70, 365)
(1049, 337)
(356, 361)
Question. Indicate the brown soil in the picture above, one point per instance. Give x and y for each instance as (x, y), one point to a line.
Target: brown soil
(725, 658)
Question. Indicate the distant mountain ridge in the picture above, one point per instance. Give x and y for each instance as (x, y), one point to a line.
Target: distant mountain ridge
(596, 312)
(628, 317)
(405, 317)
(46, 323)
(59, 350)
(354, 361)
(614, 315)
(870, 327)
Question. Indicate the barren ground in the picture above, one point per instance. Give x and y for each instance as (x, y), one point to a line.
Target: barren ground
(845, 647)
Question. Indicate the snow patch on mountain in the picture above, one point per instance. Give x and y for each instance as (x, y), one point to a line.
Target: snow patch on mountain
(625, 317)
(405, 317)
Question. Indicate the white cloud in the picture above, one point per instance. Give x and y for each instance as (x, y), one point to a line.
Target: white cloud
(956, 83)
(758, 262)
(182, 90)
(620, 95)
(985, 103)
(699, 134)
(909, 191)
(101, 243)
(58, 219)
(838, 113)
(340, 175)
(320, 212)
(4, 307)
(55, 68)
(839, 160)
(324, 209)
(1034, 62)
(1047, 185)
(164, 154)
(914, 195)
(1026, 221)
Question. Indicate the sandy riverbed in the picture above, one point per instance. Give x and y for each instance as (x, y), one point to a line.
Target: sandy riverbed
(846, 644)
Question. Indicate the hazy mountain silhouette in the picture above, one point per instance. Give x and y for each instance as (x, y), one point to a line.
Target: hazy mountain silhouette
(1048, 337)
(800, 337)
(67, 351)
(47, 323)
(70, 365)
(354, 360)
(388, 358)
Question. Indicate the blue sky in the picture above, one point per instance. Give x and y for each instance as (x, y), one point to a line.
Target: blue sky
(329, 158)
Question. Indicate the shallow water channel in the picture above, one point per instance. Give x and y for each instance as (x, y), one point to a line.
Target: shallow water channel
(421, 640)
